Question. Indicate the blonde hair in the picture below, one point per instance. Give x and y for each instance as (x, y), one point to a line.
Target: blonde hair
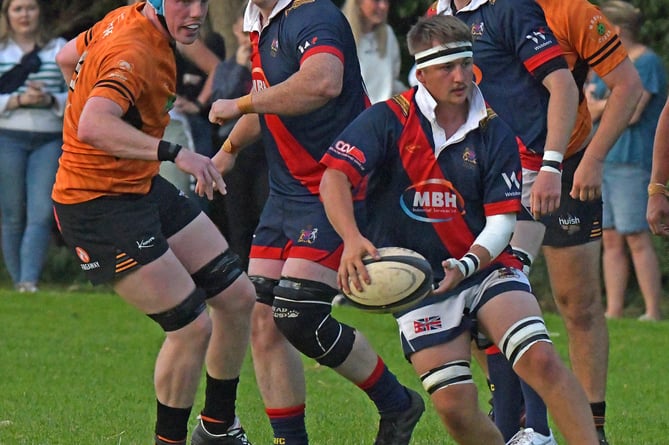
(351, 10)
(41, 38)
(623, 14)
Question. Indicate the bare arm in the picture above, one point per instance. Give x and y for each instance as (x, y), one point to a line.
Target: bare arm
(102, 127)
(318, 80)
(67, 59)
(562, 105)
(625, 89)
(657, 213)
(335, 191)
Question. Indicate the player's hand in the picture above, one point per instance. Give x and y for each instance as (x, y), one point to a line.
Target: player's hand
(202, 168)
(545, 193)
(657, 214)
(588, 179)
(224, 161)
(224, 110)
(452, 276)
(351, 266)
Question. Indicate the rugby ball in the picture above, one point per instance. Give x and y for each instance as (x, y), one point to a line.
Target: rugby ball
(399, 280)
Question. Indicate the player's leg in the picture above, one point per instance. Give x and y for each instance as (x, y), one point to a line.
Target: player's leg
(513, 320)
(307, 289)
(277, 364)
(575, 279)
(230, 296)
(121, 241)
(446, 376)
(572, 248)
(164, 289)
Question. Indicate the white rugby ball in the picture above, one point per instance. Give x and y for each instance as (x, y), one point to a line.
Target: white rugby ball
(399, 280)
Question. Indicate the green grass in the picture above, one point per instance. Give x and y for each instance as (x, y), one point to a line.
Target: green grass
(76, 368)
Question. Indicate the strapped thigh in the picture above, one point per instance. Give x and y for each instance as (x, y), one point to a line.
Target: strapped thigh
(452, 373)
(219, 273)
(183, 313)
(521, 335)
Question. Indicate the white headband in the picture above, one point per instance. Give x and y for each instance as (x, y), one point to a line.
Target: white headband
(445, 53)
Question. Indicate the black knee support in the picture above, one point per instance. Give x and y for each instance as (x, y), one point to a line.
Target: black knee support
(183, 313)
(264, 289)
(302, 314)
(219, 273)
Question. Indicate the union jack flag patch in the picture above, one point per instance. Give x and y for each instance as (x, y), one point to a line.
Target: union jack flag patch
(427, 324)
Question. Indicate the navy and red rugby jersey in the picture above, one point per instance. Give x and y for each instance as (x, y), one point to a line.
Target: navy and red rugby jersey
(294, 144)
(514, 49)
(432, 201)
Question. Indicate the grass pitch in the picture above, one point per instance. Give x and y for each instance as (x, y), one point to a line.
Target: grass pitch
(77, 367)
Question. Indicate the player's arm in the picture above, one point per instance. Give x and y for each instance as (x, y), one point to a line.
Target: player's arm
(245, 132)
(67, 59)
(625, 89)
(319, 79)
(487, 246)
(335, 191)
(562, 107)
(657, 213)
(101, 126)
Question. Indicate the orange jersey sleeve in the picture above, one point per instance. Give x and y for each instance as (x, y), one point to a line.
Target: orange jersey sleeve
(125, 59)
(588, 41)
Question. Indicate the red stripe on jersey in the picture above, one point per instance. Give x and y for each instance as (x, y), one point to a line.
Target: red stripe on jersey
(422, 166)
(299, 162)
(502, 207)
(322, 50)
(536, 61)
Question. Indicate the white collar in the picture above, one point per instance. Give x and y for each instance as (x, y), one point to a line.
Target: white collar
(444, 6)
(477, 112)
(252, 19)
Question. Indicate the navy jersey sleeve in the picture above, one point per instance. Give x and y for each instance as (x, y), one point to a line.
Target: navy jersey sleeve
(529, 36)
(502, 173)
(364, 144)
(321, 29)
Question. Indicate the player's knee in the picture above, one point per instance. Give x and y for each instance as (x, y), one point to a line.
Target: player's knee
(452, 377)
(219, 273)
(302, 313)
(521, 336)
(183, 313)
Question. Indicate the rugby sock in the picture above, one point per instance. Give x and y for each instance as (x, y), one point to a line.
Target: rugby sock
(506, 393)
(218, 413)
(384, 389)
(599, 414)
(288, 425)
(171, 424)
(536, 414)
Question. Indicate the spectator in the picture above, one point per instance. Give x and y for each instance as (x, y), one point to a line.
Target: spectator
(306, 88)
(658, 196)
(627, 173)
(439, 139)
(238, 211)
(378, 50)
(131, 228)
(32, 97)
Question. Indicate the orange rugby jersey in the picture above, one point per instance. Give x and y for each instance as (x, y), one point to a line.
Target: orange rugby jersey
(127, 60)
(588, 41)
